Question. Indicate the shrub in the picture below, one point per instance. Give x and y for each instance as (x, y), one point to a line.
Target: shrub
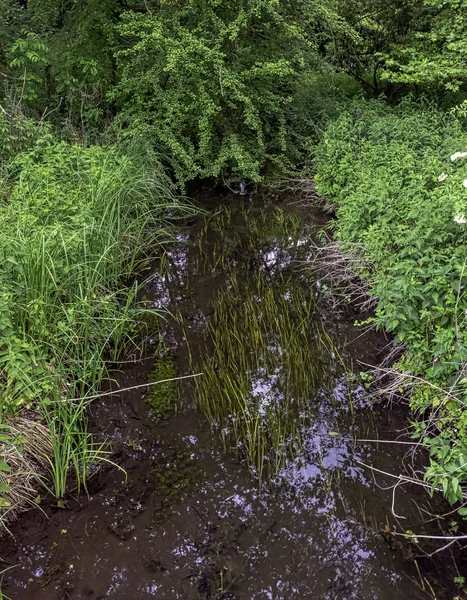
(211, 80)
(399, 177)
(76, 222)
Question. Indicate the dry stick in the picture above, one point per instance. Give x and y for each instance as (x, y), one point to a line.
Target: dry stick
(134, 387)
(45, 114)
(414, 378)
(454, 538)
(399, 477)
(388, 442)
(394, 501)
(403, 479)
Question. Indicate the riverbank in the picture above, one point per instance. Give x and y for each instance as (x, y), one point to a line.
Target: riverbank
(189, 519)
(397, 177)
(78, 223)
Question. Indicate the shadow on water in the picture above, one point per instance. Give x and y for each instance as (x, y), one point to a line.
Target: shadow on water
(192, 521)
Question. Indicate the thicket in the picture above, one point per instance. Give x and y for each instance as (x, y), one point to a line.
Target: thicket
(209, 82)
(399, 178)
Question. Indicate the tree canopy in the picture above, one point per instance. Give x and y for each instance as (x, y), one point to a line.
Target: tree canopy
(210, 81)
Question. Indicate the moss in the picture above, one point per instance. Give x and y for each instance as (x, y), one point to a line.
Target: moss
(172, 482)
(162, 398)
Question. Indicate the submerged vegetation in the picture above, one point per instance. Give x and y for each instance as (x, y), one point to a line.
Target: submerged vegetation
(260, 381)
(108, 110)
(263, 364)
(162, 399)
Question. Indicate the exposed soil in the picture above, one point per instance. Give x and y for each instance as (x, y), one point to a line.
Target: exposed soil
(187, 521)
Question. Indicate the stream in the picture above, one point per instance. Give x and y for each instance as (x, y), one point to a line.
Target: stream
(187, 516)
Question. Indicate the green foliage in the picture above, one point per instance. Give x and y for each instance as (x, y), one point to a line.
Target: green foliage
(56, 59)
(404, 45)
(76, 223)
(210, 80)
(28, 59)
(17, 134)
(399, 177)
(377, 26)
(447, 466)
(432, 51)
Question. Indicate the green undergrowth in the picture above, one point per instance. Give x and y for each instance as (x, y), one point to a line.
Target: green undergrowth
(78, 223)
(400, 183)
(162, 399)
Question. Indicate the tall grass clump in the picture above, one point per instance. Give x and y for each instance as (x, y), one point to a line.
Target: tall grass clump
(399, 176)
(261, 375)
(77, 224)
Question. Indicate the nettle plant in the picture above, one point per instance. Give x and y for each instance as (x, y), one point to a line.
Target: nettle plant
(399, 176)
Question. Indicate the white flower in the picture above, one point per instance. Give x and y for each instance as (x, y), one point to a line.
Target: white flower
(460, 219)
(457, 155)
(465, 183)
(442, 177)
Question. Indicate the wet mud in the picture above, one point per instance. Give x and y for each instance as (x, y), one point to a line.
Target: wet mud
(183, 519)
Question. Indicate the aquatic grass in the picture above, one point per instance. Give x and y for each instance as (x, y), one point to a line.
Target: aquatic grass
(224, 236)
(262, 373)
(217, 240)
(265, 351)
(162, 400)
(72, 446)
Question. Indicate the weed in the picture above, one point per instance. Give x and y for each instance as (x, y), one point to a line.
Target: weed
(399, 183)
(260, 380)
(79, 223)
(162, 399)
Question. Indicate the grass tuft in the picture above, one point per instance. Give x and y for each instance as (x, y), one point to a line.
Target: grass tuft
(77, 225)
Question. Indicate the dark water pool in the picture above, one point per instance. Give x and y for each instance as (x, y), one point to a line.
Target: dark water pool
(188, 521)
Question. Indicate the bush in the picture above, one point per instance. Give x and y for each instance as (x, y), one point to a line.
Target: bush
(400, 185)
(18, 134)
(76, 223)
(211, 81)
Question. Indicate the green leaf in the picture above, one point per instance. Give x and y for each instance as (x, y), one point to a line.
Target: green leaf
(4, 488)
(5, 467)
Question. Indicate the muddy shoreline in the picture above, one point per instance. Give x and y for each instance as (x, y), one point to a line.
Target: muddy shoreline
(187, 520)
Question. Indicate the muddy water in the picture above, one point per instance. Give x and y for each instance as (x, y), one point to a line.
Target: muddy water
(189, 521)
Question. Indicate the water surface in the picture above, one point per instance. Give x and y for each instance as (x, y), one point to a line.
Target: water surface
(190, 521)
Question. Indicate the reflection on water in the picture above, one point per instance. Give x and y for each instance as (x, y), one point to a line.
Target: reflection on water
(189, 522)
